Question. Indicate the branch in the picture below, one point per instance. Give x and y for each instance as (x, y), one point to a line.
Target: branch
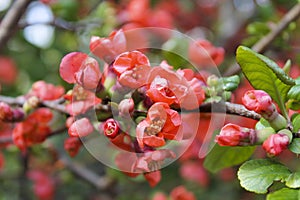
(100, 182)
(10, 20)
(261, 45)
(64, 25)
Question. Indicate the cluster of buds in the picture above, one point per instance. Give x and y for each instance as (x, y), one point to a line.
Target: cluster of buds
(274, 139)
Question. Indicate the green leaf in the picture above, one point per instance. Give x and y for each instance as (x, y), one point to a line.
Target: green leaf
(296, 123)
(221, 157)
(258, 175)
(262, 124)
(265, 74)
(284, 193)
(231, 83)
(294, 92)
(293, 181)
(295, 146)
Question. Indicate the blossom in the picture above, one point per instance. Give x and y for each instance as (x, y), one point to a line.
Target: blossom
(194, 171)
(161, 123)
(131, 68)
(108, 48)
(234, 135)
(33, 130)
(72, 145)
(276, 143)
(46, 91)
(8, 70)
(111, 128)
(43, 184)
(203, 53)
(81, 128)
(173, 88)
(181, 193)
(258, 101)
(126, 107)
(70, 64)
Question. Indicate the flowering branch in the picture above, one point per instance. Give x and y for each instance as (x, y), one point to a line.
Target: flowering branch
(261, 45)
(11, 19)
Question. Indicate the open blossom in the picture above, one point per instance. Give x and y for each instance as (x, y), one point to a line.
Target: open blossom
(81, 128)
(258, 101)
(132, 68)
(161, 123)
(234, 135)
(77, 67)
(172, 88)
(46, 91)
(276, 143)
(108, 48)
(34, 129)
(203, 53)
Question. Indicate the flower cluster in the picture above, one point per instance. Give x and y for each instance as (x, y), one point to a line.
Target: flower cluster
(273, 143)
(129, 88)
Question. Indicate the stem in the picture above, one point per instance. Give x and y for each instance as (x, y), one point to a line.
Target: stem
(10, 20)
(262, 45)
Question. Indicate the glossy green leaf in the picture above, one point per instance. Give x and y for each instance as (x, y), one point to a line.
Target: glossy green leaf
(231, 83)
(258, 175)
(284, 193)
(221, 157)
(295, 146)
(265, 74)
(296, 122)
(293, 181)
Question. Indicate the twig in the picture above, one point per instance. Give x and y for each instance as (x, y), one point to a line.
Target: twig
(261, 45)
(100, 182)
(11, 19)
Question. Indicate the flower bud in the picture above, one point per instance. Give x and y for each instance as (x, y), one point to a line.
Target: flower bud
(258, 101)
(72, 145)
(276, 143)
(81, 128)
(111, 128)
(234, 135)
(126, 107)
(32, 103)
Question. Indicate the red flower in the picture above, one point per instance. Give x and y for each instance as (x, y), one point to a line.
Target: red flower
(43, 185)
(72, 145)
(8, 70)
(161, 123)
(180, 193)
(89, 75)
(203, 53)
(194, 171)
(159, 196)
(111, 128)
(258, 101)
(70, 64)
(153, 178)
(81, 128)
(234, 135)
(131, 68)
(1, 161)
(276, 143)
(34, 129)
(108, 48)
(170, 87)
(46, 91)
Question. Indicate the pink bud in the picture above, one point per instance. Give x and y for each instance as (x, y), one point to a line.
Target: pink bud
(258, 101)
(126, 107)
(88, 76)
(234, 135)
(81, 128)
(111, 128)
(276, 143)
